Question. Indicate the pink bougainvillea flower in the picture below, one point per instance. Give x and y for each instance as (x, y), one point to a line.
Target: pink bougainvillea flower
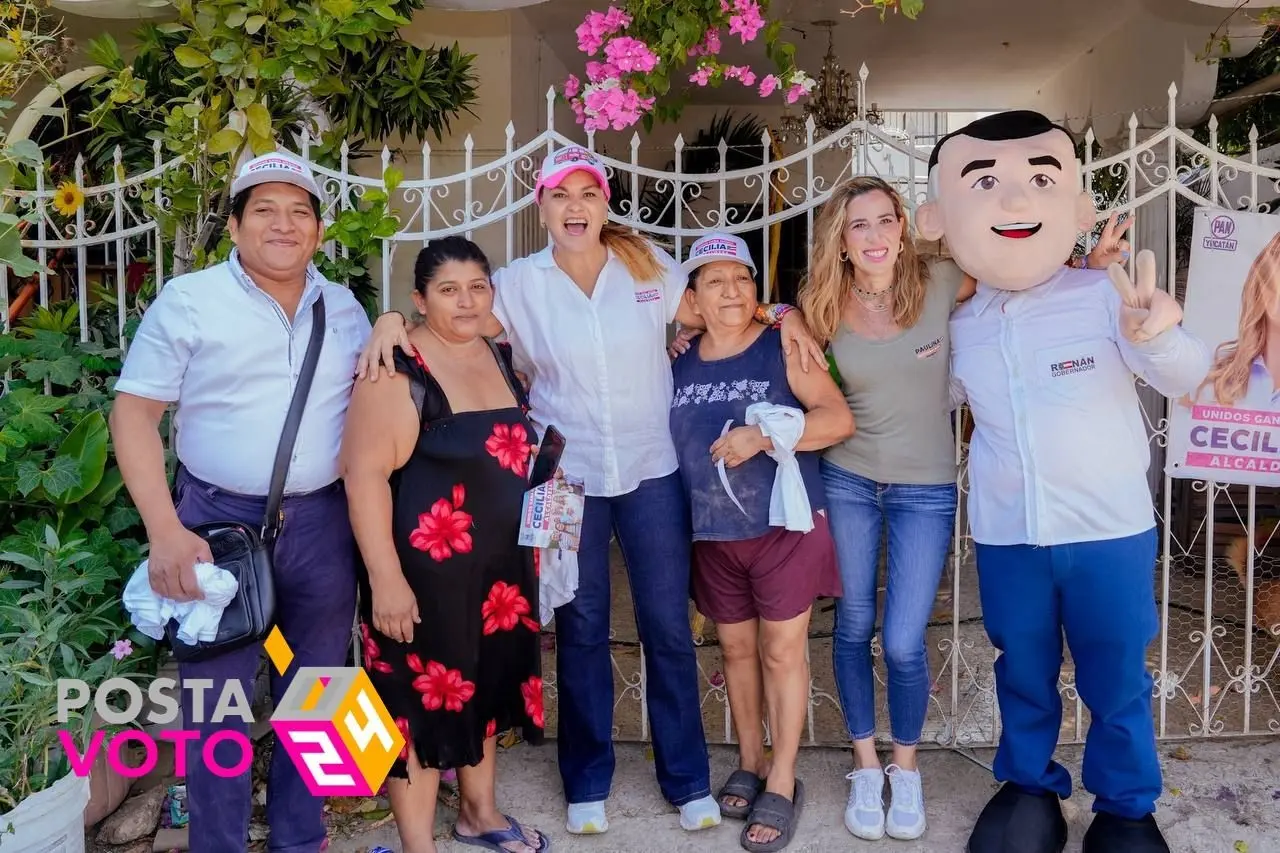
(628, 55)
(572, 86)
(741, 73)
(598, 26)
(599, 72)
(711, 43)
(769, 85)
(746, 21)
(796, 92)
(703, 75)
(610, 105)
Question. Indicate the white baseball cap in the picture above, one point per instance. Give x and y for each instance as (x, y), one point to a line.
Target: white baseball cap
(277, 167)
(718, 247)
(559, 165)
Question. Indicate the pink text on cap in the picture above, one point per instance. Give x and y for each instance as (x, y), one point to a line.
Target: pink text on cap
(573, 155)
(717, 247)
(275, 163)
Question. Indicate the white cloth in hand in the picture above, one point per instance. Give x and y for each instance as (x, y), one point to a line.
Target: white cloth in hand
(557, 580)
(197, 620)
(789, 502)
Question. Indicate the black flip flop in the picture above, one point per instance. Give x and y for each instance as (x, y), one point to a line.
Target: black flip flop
(498, 837)
(743, 784)
(776, 812)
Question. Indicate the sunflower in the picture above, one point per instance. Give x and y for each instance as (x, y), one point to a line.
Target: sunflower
(68, 198)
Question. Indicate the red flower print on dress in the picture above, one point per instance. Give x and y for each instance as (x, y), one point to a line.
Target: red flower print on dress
(403, 725)
(372, 652)
(491, 728)
(504, 608)
(509, 444)
(440, 687)
(444, 530)
(532, 692)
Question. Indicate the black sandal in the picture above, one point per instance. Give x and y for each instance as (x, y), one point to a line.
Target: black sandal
(742, 784)
(776, 812)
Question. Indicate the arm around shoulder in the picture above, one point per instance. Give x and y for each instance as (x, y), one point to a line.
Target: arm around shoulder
(828, 420)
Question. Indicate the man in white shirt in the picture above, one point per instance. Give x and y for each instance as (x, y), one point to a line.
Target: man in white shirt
(1059, 504)
(227, 345)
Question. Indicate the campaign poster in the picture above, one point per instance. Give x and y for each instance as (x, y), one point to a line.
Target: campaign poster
(1228, 429)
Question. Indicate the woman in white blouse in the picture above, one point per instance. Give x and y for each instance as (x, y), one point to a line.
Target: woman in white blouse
(587, 321)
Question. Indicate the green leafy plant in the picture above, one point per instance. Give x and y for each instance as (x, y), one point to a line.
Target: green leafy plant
(229, 78)
(56, 621)
(71, 539)
(31, 47)
(361, 230)
(1218, 42)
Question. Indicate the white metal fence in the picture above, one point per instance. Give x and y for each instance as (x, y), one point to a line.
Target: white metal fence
(1215, 660)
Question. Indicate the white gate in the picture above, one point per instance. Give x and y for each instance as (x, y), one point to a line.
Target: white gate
(1215, 664)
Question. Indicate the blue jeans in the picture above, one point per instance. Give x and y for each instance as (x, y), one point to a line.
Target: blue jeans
(921, 522)
(315, 574)
(1102, 595)
(652, 524)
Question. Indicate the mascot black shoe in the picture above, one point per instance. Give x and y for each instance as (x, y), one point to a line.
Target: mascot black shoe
(1018, 821)
(1059, 504)
(1111, 834)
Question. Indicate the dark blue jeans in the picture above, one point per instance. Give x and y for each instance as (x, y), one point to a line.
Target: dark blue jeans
(315, 606)
(652, 525)
(920, 522)
(1102, 595)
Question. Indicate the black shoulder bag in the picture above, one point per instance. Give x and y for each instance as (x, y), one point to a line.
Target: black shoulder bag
(247, 554)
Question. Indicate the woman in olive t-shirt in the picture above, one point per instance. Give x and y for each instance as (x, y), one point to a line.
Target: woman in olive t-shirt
(884, 311)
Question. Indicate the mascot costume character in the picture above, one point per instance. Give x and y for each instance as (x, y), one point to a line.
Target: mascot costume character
(1045, 356)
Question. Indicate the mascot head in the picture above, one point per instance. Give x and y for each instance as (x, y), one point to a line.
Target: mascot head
(1005, 191)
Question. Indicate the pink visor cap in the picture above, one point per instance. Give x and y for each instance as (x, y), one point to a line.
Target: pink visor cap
(558, 165)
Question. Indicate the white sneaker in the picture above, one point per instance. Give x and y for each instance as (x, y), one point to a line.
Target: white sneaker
(703, 813)
(906, 808)
(864, 816)
(586, 819)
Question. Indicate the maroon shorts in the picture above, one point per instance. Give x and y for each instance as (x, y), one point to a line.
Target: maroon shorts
(774, 577)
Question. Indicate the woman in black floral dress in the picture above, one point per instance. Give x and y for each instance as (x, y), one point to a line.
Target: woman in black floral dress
(436, 463)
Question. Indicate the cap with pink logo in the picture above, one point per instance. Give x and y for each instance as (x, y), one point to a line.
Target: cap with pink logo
(278, 167)
(559, 165)
(718, 247)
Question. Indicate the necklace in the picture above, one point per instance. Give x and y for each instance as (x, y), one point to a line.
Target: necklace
(877, 301)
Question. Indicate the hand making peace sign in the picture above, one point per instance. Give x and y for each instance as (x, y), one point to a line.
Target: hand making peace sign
(1112, 248)
(1146, 310)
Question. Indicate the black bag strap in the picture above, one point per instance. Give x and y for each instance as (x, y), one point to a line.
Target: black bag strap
(516, 388)
(284, 450)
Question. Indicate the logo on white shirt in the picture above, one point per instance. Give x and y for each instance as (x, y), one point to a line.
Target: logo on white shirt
(1071, 366)
(653, 294)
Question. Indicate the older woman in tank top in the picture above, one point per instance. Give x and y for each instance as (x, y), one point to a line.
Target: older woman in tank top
(884, 311)
(747, 423)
